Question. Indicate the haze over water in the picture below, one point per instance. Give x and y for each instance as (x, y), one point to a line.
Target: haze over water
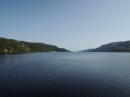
(65, 75)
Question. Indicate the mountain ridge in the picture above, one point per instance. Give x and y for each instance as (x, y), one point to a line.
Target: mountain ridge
(12, 46)
(121, 46)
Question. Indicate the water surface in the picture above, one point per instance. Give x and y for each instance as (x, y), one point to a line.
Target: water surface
(65, 75)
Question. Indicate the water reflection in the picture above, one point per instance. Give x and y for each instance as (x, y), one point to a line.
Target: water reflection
(65, 75)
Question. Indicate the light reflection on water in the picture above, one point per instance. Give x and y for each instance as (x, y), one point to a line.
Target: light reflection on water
(65, 75)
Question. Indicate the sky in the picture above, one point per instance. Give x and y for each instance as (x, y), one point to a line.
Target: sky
(71, 24)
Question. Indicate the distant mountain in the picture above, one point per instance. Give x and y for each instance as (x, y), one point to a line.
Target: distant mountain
(123, 46)
(88, 50)
(10, 46)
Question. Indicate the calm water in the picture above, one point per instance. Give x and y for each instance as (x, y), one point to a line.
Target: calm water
(65, 75)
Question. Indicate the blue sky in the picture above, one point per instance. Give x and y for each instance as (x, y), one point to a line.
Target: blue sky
(72, 24)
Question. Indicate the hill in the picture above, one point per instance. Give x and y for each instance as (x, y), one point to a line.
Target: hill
(11, 46)
(123, 46)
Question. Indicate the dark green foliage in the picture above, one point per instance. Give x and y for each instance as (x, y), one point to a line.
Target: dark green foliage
(10, 46)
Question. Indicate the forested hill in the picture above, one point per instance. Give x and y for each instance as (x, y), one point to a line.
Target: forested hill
(123, 46)
(10, 46)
